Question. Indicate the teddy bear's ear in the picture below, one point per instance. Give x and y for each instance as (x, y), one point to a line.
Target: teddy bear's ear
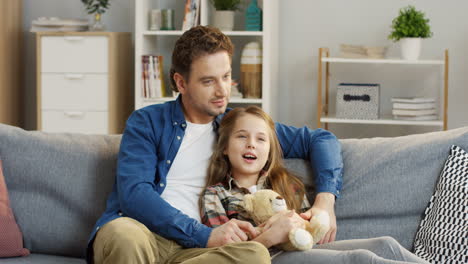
(248, 205)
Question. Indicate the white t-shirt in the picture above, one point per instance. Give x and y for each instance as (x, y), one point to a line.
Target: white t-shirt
(187, 175)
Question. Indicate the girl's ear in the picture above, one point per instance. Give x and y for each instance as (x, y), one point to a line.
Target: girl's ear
(248, 205)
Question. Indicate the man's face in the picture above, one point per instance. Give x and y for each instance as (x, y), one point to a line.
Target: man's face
(206, 92)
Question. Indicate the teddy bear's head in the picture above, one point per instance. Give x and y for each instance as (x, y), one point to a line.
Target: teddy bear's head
(263, 204)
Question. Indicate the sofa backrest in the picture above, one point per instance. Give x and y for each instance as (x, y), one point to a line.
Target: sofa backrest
(59, 183)
(387, 182)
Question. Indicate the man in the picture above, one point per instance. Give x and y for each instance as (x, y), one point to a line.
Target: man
(152, 213)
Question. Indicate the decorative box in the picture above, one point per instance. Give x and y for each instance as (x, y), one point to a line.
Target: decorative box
(357, 100)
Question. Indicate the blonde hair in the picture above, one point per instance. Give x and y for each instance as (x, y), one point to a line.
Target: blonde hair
(279, 179)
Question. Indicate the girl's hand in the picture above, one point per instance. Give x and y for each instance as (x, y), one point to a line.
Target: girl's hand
(231, 232)
(276, 229)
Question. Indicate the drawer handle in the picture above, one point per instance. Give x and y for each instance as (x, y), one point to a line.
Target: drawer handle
(74, 76)
(74, 114)
(349, 97)
(73, 38)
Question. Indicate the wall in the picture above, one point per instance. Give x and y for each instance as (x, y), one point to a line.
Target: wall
(307, 25)
(304, 27)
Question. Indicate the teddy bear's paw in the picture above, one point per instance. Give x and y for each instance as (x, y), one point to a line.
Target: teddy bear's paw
(301, 239)
(323, 218)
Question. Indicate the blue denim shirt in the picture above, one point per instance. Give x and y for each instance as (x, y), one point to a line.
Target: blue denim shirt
(150, 142)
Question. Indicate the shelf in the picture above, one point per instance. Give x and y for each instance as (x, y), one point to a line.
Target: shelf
(180, 32)
(324, 77)
(383, 61)
(385, 120)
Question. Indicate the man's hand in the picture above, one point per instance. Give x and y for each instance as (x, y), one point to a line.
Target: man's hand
(325, 202)
(230, 232)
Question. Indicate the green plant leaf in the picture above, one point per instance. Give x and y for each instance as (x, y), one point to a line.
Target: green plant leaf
(96, 6)
(410, 23)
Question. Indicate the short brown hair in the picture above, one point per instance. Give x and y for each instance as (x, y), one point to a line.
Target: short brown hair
(196, 42)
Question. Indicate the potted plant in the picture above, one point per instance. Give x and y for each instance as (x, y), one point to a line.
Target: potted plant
(224, 14)
(96, 7)
(410, 27)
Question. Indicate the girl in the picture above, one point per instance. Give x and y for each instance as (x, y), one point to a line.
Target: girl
(247, 157)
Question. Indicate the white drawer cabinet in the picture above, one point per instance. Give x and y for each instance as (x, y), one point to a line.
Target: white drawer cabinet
(74, 91)
(70, 54)
(84, 82)
(74, 121)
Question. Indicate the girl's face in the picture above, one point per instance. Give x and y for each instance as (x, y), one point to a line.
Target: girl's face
(248, 146)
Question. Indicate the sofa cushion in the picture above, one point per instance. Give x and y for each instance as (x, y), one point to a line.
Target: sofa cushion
(443, 235)
(11, 239)
(58, 185)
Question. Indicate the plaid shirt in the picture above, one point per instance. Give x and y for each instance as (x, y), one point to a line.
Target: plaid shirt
(224, 201)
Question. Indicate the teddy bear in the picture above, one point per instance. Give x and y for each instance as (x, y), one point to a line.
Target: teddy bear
(263, 204)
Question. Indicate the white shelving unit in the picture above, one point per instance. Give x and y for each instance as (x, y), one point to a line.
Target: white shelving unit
(324, 116)
(161, 42)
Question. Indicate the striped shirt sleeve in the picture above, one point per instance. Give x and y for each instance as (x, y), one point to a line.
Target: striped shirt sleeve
(213, 214)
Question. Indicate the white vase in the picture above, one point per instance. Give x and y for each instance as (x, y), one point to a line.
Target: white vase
(224, 20)
(410, 48)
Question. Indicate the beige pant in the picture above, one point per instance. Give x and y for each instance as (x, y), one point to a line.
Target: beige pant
(125, 240)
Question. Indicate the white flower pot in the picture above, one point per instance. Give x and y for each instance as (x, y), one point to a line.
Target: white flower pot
(224, 20)
(410, 48)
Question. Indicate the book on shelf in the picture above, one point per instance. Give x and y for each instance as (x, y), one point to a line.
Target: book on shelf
(416, 118)
(152, 77)
(414, 105)
(191, 14)
(414, 100)
(413, 112)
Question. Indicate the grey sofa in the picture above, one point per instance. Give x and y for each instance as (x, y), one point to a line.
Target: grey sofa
(58, 185)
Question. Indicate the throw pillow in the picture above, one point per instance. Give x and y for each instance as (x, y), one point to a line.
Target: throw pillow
(11, 239)
(443, 234)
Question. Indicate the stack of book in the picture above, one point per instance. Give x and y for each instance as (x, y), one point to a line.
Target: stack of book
(58, 24)
(352, 51)
(414, 108)
(362, 52)
(152, 77)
